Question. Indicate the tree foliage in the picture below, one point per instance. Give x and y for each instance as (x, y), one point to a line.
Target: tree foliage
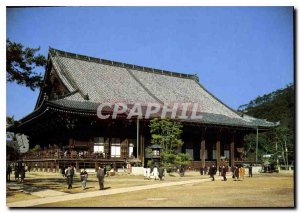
(20, 65)
(276, 106)
(166, 133)
(10, 120)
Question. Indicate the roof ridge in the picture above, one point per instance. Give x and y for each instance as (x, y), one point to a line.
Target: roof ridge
(54, 52)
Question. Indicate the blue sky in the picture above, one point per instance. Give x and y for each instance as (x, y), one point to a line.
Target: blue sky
(237, 52)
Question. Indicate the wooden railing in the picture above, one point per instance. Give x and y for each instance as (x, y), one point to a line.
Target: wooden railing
(72, 155)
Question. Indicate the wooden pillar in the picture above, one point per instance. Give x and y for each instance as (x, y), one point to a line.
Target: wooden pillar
(96, 166)
(202, 151)
(57, 166)
(142, 148)
(218, 152)
(77, 166)
(137, 138)
(232, 149)
(51, 166)
(218, 147)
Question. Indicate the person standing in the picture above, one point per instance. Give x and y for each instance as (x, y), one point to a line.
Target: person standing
(250, 170)
(220, 170)
(205, 170)
(201, 170)
(100, 176)
(83, 176)
(161, 173)
(181, 171)
(155, 172)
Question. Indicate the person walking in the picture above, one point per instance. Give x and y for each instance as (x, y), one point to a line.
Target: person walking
(63, 171)
(224, 170)
(83, 176)
(22, 173)
(242, 172)
(104, 169)
(212, 172)
(69, 174)
(250, 170)
(8, 172)
(100, 176)
(236, 173)
(17, 173)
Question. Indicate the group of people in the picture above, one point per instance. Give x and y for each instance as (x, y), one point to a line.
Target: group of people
(19, 173)
(154, 172)
(69, 173)
(238, 172)
(212, 171)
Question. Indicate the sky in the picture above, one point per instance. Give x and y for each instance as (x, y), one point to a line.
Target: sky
(238, 53)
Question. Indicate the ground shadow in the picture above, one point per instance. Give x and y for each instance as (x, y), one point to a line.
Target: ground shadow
(105, 188)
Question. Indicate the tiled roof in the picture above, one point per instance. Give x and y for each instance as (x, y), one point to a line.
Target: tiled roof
(108, 81)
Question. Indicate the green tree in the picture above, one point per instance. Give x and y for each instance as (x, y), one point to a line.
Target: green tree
(37, 148)
(10, 120)
(20, 65)
(166, 133)
(275, 106)
(282, 137)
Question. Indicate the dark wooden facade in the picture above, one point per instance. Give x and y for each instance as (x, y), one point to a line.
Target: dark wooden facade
(59, 133)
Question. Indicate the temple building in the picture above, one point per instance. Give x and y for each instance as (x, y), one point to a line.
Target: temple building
(65, 124)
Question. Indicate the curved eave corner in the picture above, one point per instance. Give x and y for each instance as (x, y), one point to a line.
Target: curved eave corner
(259, 123)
